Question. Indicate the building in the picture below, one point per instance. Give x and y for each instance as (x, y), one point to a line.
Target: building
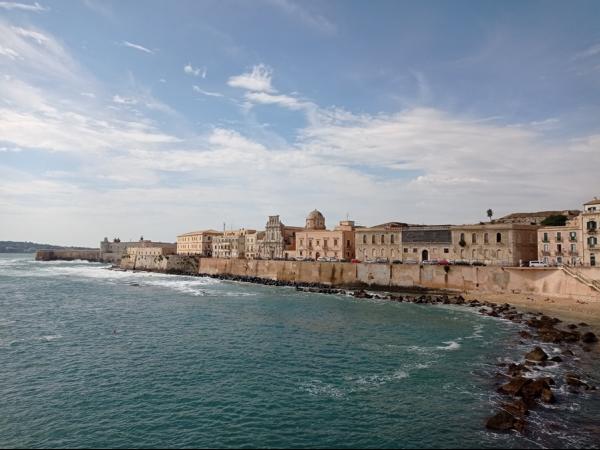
(426, 242)
(279, 240)
(590, 221)
(381, 241)
(315, 241)
(196, 242)
(231, 244)
(558, 245)
(502, 244)
(113, 251)
(152, 250)
(252, 244)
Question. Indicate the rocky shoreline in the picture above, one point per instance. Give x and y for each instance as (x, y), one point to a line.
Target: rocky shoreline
(518, 383)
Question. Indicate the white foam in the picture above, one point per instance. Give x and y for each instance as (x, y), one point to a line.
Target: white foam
(378, 380)
(450, 345)
(51, 337)
(320, 389)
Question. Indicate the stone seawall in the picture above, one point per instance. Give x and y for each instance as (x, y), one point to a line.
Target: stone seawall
(68, 255)
(498, 280)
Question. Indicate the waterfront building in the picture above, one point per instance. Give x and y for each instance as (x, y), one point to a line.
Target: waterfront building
(590, 221)
(231, 244)
(558, 245)
(426, 242)
(315, 241)
(196, 242)
(152, 249)
(252, 244)
(113, 251)
(503, 244)
(381, 241)
(279, 240)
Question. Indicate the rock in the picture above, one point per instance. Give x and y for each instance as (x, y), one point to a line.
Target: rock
(517, 370)
(516, 408)
(362, 294)
(504, 421)
(589, 338)
(536, 355)
(572, 326)
(514, 386)
(548, 396)
(567, 352)
(533, 390)
(583, 324)
(525, 335)
(557, 359)
(572, 379)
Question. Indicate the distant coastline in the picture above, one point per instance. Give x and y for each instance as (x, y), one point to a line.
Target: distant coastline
(32, 247)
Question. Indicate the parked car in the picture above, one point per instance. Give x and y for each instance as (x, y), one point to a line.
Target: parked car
(345, 260)
(396, 261)
(537, 264)
(411, 261)
(461, 262)
(381, 261)
(355, 261)
(430, 261)
(322, 259)
(443, 262)
(478, 263)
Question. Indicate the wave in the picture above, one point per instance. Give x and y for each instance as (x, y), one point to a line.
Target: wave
(378, 380)
(450, 345)
(319, 389)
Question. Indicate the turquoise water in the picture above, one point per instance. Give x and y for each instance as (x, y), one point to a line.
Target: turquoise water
(97, 358)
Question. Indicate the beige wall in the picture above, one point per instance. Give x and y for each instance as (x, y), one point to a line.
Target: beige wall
(337, 243)
(591, 236)
(196, 243)
(378, 242)
(495, 244)
(561, 245)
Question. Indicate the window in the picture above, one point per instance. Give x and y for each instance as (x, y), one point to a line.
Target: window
(498, 238)
(546, 247)
(392, 239)
(383, 238)
(301, 243)
(373, 239)
(348, 243)
(446, 250)
(558, 236)
(462, 237)
(474, 238)
(573, 248)
(558, 248)
(591, 225)
(373, 253)
(545, 237)
(382, 252)
(405, 250)
(335, 242)
(324, 243)
(364, 239)
(414, 250)
(573, 235)
(486, 239)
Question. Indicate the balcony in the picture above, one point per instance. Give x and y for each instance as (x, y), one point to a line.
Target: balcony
(573, 239)
(545, 253)
(592, 230)
(545, 240)
(559, 239)
(574, 253)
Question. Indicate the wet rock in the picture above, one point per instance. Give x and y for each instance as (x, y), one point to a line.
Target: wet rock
(574, 380)
(536, 355)
(589, 338)
(534, 390)
(516, 370)
(557, 359)
(572, 326)
(516, 408)
(362, 294)
(567, 352)
(514, 386)
(504, 421)
(583, 324)
(548, 396)
(525, 335)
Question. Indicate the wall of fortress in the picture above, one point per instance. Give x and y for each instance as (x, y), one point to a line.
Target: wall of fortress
(489, 279)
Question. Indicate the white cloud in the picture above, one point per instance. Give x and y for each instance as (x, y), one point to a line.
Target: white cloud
(281, 100)
(589, 52)
(259, 80)
(36, 7)
(195, 71)
(10, 149)
(201, 91)
(9, 53)
(124, 100)
(88, 94)
(137, 47)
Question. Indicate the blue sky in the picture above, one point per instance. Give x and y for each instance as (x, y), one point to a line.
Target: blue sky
(126, 118)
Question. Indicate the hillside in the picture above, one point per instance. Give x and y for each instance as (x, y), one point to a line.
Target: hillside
(31, 247)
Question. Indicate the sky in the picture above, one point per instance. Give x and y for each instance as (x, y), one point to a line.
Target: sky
(128, 118)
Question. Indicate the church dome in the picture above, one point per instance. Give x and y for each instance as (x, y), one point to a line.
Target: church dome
(315, 221)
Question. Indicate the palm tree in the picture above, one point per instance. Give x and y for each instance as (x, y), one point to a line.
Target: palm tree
(490, 213)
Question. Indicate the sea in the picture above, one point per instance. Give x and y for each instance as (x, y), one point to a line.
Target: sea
(93, 357)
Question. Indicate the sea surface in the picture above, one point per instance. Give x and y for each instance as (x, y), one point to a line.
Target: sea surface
(91, 357)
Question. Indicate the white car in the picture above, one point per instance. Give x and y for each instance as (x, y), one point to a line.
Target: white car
(537, 264)
(430, 261)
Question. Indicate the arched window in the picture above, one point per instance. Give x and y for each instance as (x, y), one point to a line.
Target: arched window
(498, 238)
(392, 239)
(462, 236)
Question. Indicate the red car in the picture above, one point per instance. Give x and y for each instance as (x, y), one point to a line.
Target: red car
(355, 261)
(443, 262)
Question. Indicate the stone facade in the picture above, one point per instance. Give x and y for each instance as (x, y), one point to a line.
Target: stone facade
(314, 241)
(252, 244)
(590, 226)
(231, 244)
(115, 250)
(426, 242)
(561, 244)
(196, 242)
(381, 241)
(279, 240)
(495, 243)
(156, 249)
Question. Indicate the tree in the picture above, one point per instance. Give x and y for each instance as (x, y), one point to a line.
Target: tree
(490, 213)
(555, 220)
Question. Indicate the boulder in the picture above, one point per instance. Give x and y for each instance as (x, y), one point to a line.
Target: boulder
(589, 338)
(533, 390)
(536, 355)
(516, 408)
(504, 421)
(525, 334)
(514, 386)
